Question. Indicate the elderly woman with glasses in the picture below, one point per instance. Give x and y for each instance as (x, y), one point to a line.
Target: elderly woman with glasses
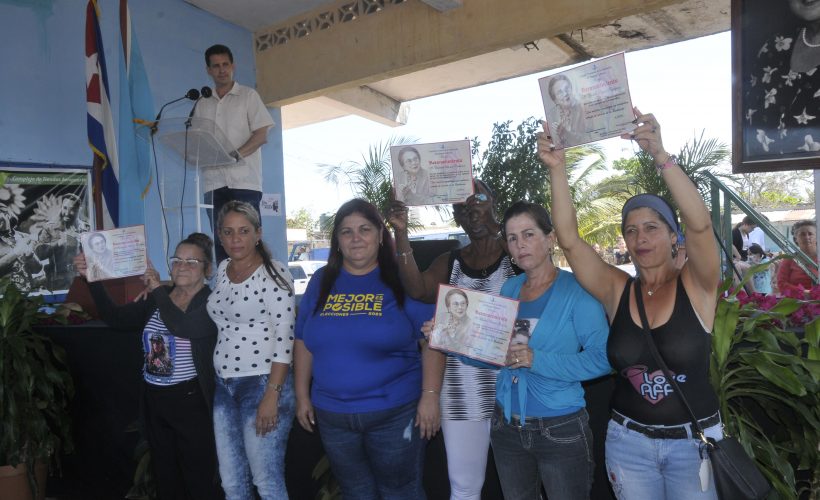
(467, 395)
(178, 339)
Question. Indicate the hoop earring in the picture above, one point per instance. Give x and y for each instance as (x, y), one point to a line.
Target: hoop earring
(675, 251)
(513, 261)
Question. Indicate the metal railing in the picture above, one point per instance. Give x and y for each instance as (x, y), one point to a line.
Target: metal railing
(722, 223)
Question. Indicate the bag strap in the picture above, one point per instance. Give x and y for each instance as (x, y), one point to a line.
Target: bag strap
(659, 359)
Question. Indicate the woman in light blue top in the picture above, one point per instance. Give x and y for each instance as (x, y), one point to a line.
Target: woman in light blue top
(540, 431)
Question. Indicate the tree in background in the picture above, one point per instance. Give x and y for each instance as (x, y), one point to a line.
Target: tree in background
(510, 166)
(775, 189)
(301, 219)
(639, 174)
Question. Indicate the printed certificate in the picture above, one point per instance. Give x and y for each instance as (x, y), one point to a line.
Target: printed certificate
(115, 253)
(432, 174)
(475, 324)
(588, 103)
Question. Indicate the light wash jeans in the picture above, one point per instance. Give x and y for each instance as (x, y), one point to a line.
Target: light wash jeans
(375, 455)
(246, 459)
(640, 467)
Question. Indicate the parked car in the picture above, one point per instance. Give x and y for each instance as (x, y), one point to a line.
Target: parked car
(302, 271)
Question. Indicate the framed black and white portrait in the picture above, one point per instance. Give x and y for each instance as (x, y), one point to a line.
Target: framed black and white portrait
(776, 85)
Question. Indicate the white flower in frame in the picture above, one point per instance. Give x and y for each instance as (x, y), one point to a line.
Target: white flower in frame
(789, 78)
(782, 43)
(770, 98)
(763, 140)
(749, 113)
(803, 118)
(763, 49)
(767, 74)
(809, 144)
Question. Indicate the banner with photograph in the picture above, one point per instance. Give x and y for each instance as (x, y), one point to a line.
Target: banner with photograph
(588, 103)
(475, 324)
(432, 174)
(42, 214)
(115, 253)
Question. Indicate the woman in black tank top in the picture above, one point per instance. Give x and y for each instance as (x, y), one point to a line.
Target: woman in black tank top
(649, 449)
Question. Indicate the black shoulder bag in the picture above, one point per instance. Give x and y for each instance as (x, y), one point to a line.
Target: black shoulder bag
(736, 474)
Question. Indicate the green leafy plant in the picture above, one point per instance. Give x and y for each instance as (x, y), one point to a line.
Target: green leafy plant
(35, 385)
(765, 367)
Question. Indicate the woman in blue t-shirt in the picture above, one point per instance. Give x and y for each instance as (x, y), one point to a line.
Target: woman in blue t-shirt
(358, 338)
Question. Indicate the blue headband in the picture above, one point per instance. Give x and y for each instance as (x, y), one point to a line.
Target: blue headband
(654, 202)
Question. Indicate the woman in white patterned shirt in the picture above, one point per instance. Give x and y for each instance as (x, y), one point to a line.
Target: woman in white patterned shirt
(253, 306)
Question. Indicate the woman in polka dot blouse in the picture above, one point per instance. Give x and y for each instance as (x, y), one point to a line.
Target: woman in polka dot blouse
(253, 306)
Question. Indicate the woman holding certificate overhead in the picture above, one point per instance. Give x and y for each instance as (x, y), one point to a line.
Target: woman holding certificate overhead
(540, 430)
(650, 450)
(178, 339)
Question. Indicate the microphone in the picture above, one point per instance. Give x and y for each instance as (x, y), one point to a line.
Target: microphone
(192, 94)
(205, 92)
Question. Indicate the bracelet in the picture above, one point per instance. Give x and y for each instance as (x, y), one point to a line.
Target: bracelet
(432, 391)
(670, 162)
(405, 254)
(275, 387)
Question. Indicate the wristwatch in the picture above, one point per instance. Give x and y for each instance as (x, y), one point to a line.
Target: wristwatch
(276, 387)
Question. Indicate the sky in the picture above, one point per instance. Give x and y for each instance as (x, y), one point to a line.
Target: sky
(686, 85)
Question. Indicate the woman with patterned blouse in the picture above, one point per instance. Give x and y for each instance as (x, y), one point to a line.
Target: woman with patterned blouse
(254, 309)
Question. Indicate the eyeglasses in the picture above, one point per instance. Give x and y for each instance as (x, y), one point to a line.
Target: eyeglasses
(176, 261)
(476, 199)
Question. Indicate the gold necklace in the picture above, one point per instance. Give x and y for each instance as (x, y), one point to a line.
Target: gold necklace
(236, 270)
(651, 292)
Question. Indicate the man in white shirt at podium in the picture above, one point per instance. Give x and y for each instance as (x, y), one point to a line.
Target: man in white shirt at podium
(239, 112)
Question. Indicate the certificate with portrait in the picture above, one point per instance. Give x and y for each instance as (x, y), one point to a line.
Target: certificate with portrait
(115, 253)
(432, 174)
(588, 103)
(475, 324)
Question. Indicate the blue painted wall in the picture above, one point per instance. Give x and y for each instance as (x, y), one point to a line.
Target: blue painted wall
(42, 84)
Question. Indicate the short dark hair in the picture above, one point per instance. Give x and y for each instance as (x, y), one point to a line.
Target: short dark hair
(217, 49)
(538, 213)
(801, 223)
(748, 220)
(756, 249)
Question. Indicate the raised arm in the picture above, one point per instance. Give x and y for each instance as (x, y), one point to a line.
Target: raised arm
(419, 285)
(702, 268)
(602, 281)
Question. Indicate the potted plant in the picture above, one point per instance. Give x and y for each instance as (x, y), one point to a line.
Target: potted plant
(35, 390)
(765, 367)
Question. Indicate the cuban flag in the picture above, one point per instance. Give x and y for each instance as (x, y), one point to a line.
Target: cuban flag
(101, 135)
(136, 111)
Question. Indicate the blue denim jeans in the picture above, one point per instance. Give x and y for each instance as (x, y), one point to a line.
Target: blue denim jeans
(641, 467)
(553, 451)
(246, 459)
(375, 455)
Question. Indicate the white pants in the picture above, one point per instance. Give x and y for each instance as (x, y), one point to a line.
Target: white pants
(467, 443)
